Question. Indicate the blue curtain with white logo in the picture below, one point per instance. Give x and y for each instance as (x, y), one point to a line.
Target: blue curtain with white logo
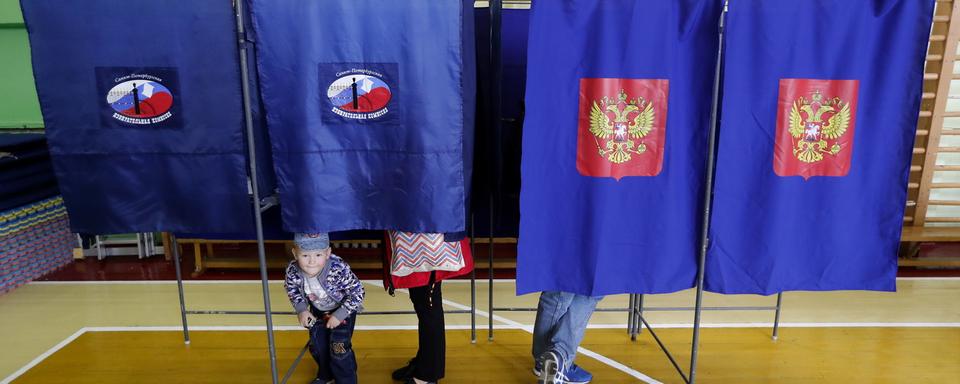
(142, 107)
(370, 108)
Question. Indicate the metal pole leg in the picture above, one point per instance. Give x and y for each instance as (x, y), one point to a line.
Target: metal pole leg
(258, 207)
(176, 265)
(490, 277)
(295, 363)
(636, 315)
(473, 307)
(776, 318)
(637, 319)
(707, 200)
(639, 314)
(473, 286)
(496, 15)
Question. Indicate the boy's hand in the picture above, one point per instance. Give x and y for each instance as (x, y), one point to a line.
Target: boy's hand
(333, 322)
(306, 319)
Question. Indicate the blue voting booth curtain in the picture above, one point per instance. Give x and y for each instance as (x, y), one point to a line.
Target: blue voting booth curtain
(26, 173)
(497, 163)
(370, 107)
(820, 103)
(618, 105)
(142, 107)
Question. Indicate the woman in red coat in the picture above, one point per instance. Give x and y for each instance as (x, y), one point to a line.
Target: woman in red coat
(425, 294)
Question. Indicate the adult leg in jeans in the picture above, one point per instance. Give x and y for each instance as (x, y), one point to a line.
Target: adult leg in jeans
(431, 359)
(569, 331)
(552, 306)
(566, 314)
(343, 362)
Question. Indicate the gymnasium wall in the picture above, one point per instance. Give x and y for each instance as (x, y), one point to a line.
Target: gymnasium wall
(19, 107)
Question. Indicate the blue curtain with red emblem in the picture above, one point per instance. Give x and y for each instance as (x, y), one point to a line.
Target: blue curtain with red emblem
(820, 106)
(618, 105)
(142, 107)
(370, 108)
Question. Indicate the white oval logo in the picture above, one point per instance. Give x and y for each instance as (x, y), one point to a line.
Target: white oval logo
(359, 93)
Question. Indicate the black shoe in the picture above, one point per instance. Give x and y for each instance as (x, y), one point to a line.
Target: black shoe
(412, 381)
(405, 373)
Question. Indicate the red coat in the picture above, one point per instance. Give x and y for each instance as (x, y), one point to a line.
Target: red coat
(419, 279)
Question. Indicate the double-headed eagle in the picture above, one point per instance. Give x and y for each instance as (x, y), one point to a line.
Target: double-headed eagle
(807, 127)
(632, 119)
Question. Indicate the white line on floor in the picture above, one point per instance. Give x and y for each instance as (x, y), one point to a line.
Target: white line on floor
(43, 356)
(794, 325)
(258, 328)
(529, 329)
(508, 324)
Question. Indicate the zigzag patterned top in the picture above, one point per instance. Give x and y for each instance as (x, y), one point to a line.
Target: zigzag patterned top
(423, 252)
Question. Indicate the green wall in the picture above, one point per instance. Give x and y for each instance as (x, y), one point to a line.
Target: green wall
(19, 107)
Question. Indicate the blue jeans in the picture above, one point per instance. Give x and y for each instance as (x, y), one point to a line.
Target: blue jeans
(562, 318)
(333, 351)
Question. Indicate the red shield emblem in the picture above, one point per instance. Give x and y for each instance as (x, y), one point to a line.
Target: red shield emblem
(815, 124)
(621, 127)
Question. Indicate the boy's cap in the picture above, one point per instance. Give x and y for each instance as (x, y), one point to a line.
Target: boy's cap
(311, 241)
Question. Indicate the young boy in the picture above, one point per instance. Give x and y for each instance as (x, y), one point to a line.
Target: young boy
(327, 296)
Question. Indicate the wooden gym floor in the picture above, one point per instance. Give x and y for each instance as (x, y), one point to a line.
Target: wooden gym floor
(128, 332)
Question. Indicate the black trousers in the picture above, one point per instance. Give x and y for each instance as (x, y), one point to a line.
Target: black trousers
(431, 355)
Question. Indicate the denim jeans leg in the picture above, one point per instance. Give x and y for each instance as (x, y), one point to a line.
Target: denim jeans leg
(552, 306)
(343, 361)
(570, 328)
(319, 342)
